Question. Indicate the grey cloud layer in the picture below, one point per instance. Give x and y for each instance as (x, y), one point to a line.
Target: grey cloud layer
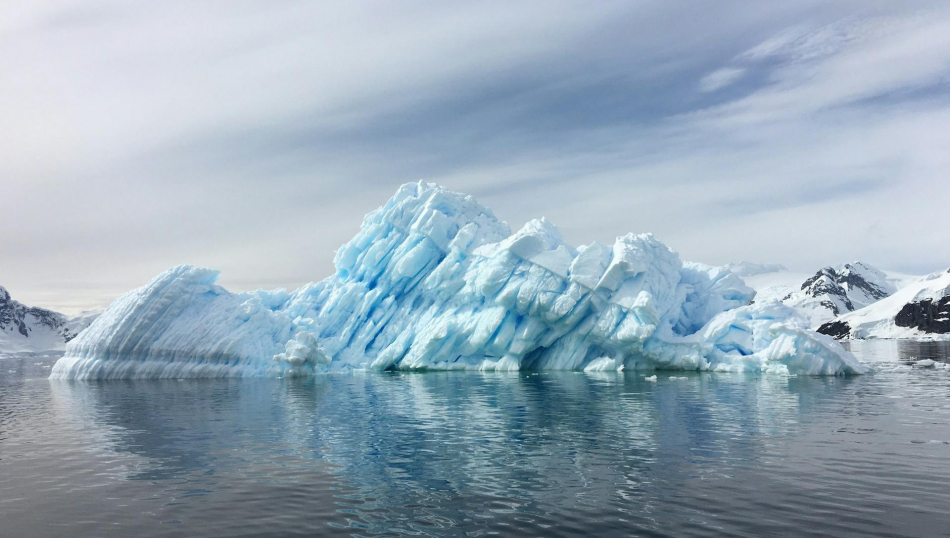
(253, 136)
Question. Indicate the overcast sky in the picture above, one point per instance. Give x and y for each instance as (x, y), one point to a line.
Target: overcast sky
(252, 137)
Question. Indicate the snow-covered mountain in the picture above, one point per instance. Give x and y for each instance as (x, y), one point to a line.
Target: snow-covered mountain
(434, 281)
(833, 291)
(24, 328)
(919, 310)
(825, 295)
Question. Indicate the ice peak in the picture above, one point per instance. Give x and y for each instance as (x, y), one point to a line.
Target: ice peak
(192, 273)
(423, 218)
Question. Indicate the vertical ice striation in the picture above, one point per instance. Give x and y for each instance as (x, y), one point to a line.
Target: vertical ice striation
(434, 281)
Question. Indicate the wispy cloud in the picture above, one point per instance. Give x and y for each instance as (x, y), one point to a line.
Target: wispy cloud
(720, 78)
(253, 137)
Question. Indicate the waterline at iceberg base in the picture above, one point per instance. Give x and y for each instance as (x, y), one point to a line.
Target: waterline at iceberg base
(434, 281)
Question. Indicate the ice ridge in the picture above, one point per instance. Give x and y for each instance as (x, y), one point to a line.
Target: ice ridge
(434, 281)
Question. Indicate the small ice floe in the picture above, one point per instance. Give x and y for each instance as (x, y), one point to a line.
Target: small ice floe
(674, 378)
(651, 378)
(926, 363)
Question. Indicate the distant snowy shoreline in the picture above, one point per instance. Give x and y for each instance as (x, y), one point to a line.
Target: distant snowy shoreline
(31, 329)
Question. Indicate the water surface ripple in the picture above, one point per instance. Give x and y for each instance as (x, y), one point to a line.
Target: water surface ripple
(463, 454)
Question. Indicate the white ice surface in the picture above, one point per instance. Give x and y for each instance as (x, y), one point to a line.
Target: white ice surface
(40, 339)
(434, 281)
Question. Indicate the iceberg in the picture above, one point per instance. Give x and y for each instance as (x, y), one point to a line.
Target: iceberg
(433, 281)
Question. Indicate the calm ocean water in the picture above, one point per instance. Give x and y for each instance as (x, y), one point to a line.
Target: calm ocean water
(462, 454)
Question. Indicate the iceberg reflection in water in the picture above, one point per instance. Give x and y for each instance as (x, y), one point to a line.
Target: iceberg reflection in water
(453, 453)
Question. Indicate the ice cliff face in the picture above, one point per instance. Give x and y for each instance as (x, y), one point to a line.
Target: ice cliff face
(434, 281)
